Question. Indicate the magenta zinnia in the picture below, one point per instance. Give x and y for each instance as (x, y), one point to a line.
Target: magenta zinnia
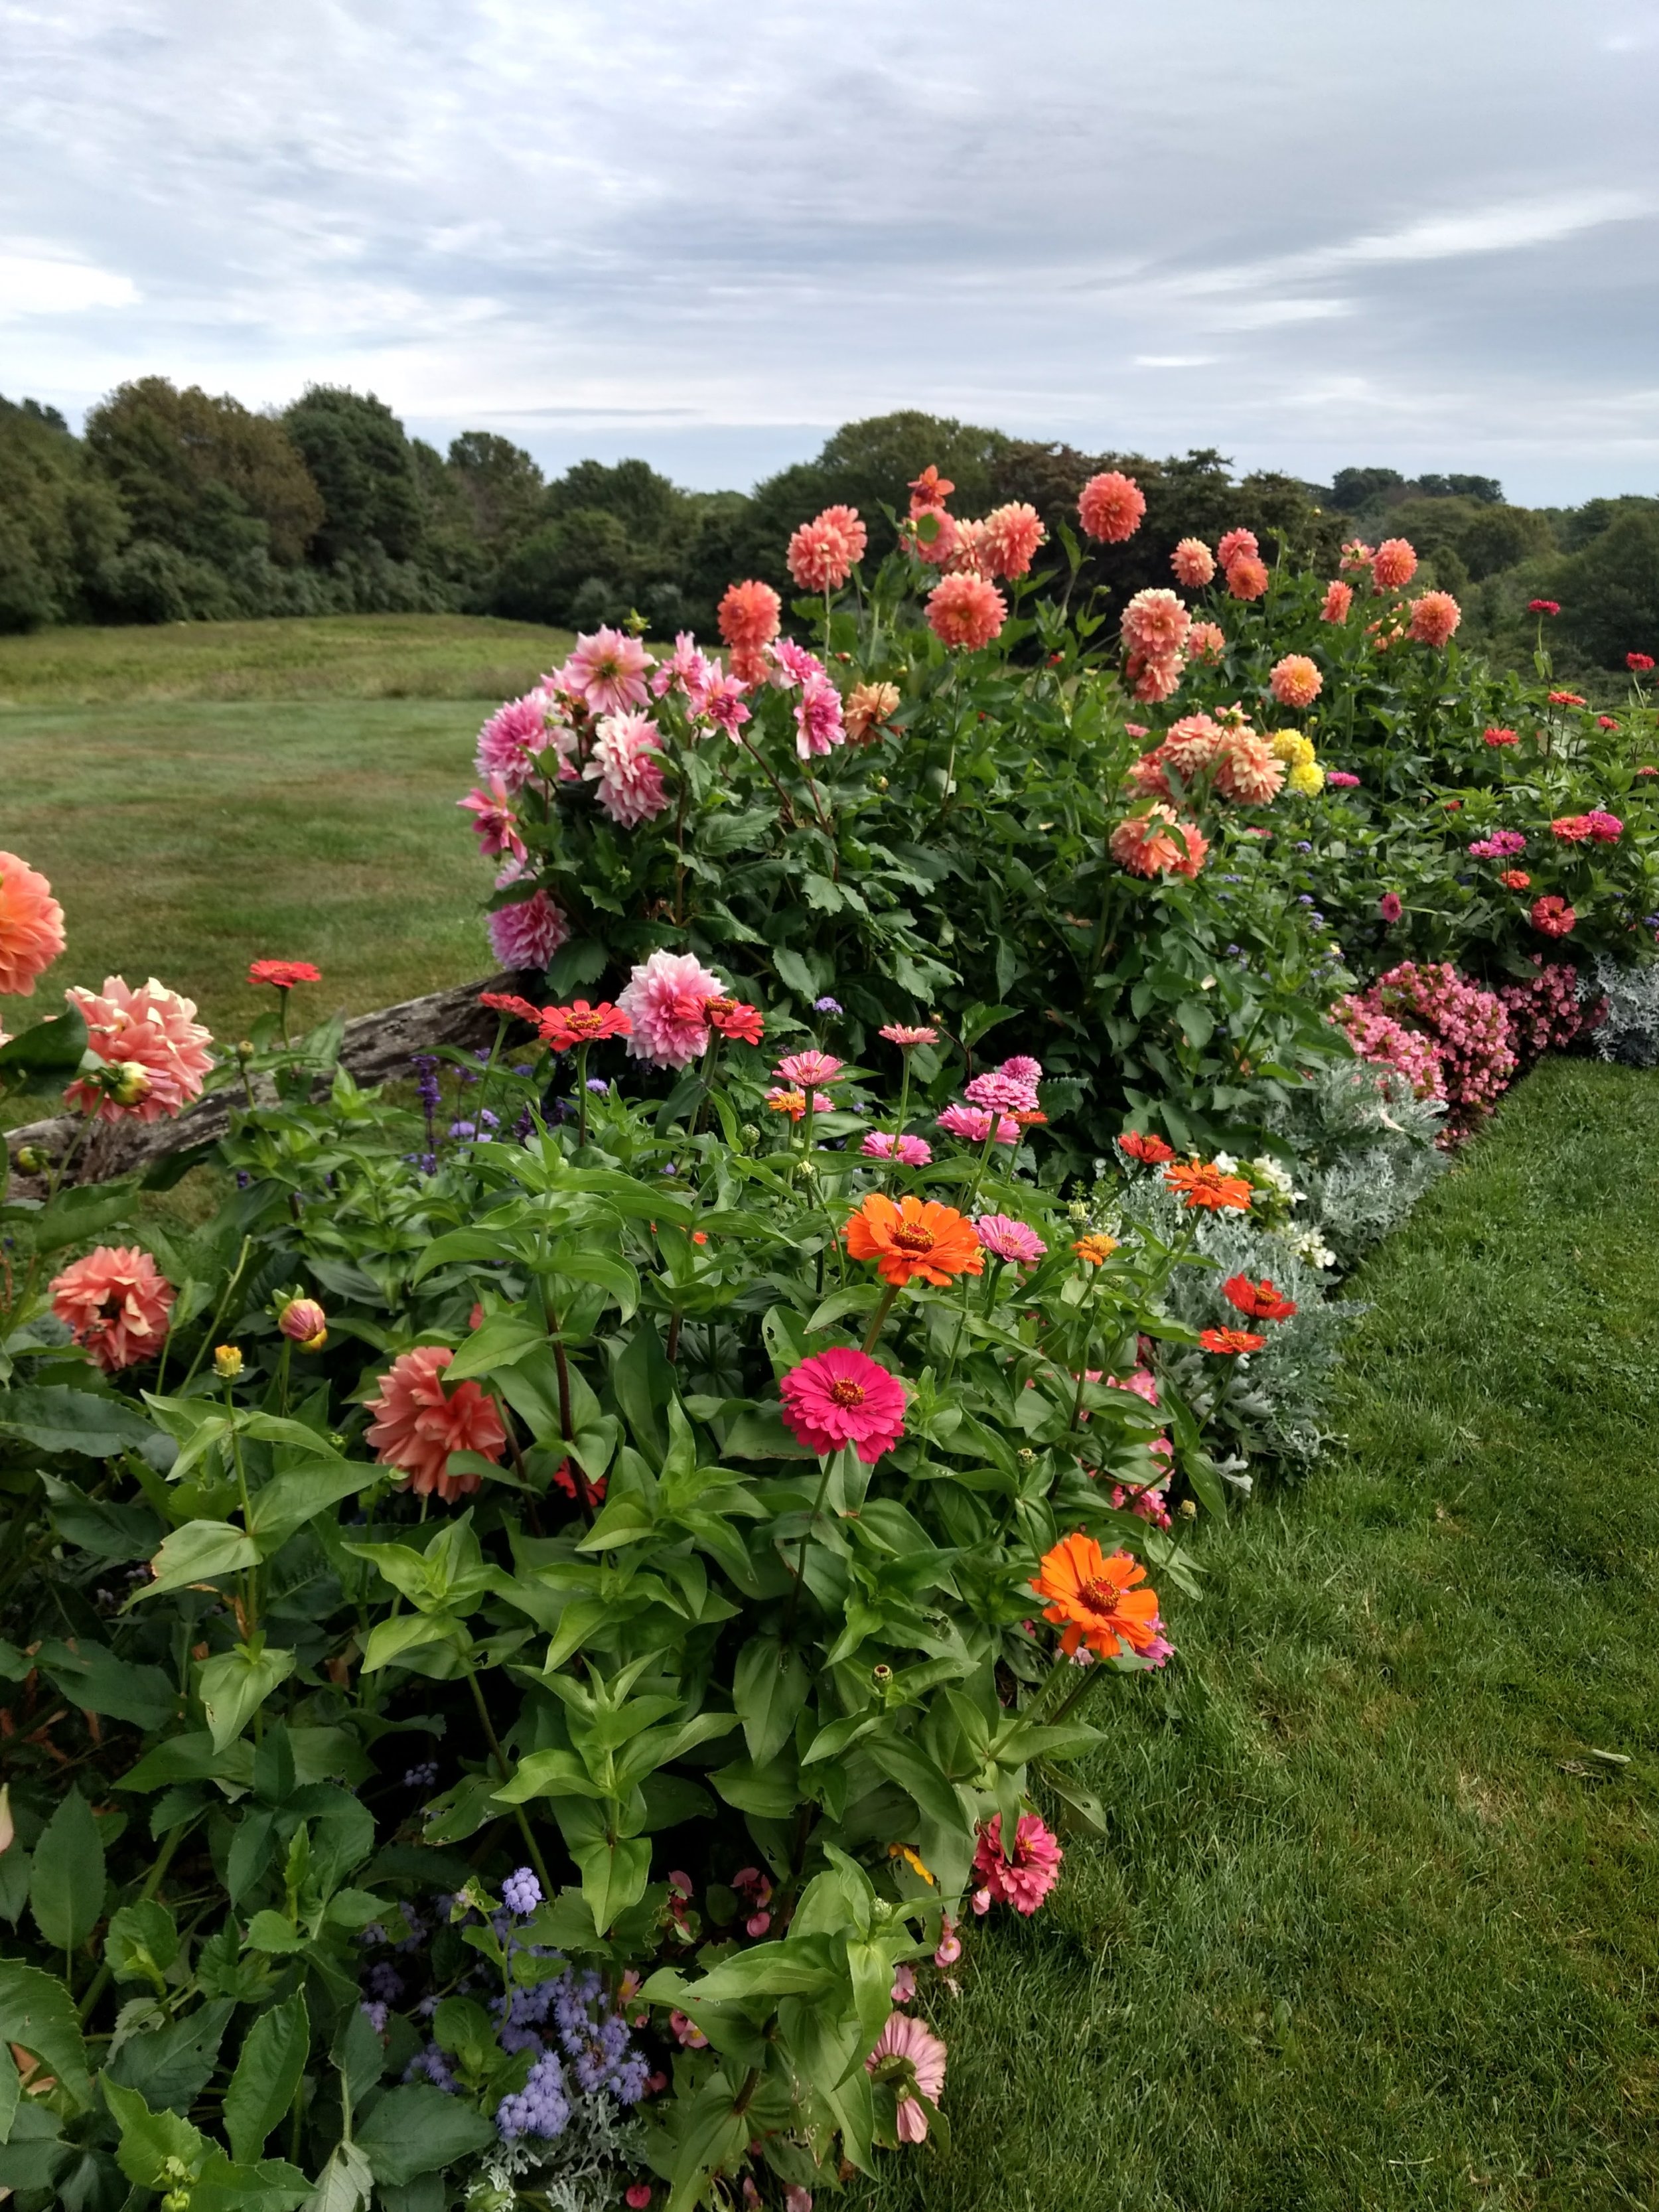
(1024, 1880)
(842, 1397)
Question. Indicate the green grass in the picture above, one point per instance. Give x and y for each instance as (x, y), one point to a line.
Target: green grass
(1374, 1926)
(334, 656)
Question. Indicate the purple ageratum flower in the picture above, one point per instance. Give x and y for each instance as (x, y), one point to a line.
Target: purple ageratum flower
(540, 2108)
(826, 1005)
(422, 1777)
(522, 1892)
(376, 2015)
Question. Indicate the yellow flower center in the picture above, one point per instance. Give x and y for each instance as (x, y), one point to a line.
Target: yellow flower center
(844, 1391)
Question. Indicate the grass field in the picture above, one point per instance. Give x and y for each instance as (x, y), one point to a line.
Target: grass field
(236, 790)
(1376, 1927)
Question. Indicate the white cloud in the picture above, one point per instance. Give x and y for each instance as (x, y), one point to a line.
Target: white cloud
(32, 284)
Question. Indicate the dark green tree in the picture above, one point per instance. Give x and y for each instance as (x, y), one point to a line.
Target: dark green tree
(362, 465)
(59, 523)
(202, 474)
(542, 578)
(1609, 593)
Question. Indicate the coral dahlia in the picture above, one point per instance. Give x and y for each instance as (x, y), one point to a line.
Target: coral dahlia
(116, 1303)
(1339, 598)
(152, 1029)
(1158, 843)
(1110, 506)
(1012, 535)
(31, 927)
(1435, 616)
(417, 1423)
(966, 611)
(824, 552)
(749, 615)
(1296, 680)
(1394, 564)
(1247, 577)
(1194, 563)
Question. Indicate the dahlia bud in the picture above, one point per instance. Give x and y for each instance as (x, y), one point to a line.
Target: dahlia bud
(29, 1159)
(126, 1081)
(226, 1362)
(304, 1321)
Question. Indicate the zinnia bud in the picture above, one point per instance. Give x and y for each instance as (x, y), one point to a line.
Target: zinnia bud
(304, 1321)
(226, 1362)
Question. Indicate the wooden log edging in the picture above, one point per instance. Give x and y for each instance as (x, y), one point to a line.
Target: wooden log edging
(376, 1047)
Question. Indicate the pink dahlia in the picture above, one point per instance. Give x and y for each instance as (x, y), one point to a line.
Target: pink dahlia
(1394, 564)
(1338, 598)
(667, 1001)
(819, 723)
(1155, 625)
(626, 766)
(1238, 545)
(793, 664)
(687, 669)
(1245, 770)
(417, 1423)
(1110, 506)
(527, 934)
(31, 927)
(908, 1151)
(910, 2058)
(1247, 577)
(1435, 616)
(607, 671)
(493, 819)
(152, 1029)
(1004, 1238)
(966, 611)
(116, 1303)
(1207, 642)
(721, 702)
(513, 739)
(1012, 535)
(1024, 1880)
(1193, 743)
(824, 552)
(1340, 778)
(934, 536)
(1296, 680)
(1194, 563)
(842, 1397)
(975, 1125)
(1154, 678)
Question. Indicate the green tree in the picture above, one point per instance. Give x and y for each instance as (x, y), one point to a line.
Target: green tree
(542, 578)
(59, 523)
(362, 465)
(501, 488)
(1609, 593)
(202, 474)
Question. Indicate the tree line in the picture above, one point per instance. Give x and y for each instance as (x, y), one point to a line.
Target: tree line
(177, 506)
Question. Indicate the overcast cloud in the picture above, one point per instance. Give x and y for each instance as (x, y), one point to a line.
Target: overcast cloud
(1425, 234)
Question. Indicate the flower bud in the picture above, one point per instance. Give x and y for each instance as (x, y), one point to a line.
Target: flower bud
(29, 1159)
(1187, 1510)
(226, 1362)
(304, 1321)
(126, 1081)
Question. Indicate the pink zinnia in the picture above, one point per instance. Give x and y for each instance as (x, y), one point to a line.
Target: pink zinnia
(908, 2054)
(1338, 598)
(115, 1303)
(1394, 564)
(151, 1028)
(842, 1397)
(493, 819)
(667, 1001)
(417, 1423)
(1435, 616)
(908, 1151)
(824, 553)
(1571, 829)
(1026, 1879)
(527, 934)
(819, 725)
(512, 741)
(1388, 906)
(966, 611)
(749, 615)
(974, 1125)
(607, 671)
(904, 1037)
(1020, 1067)
(1554, 916)
(1296, 680)
(1606, 829)
(1340, 779)
(1247, 577)
(1155, 625)
(626, 766)
(1006, 1239)
(1499, 846)
(1237, 545)
(1110, 506)
(1011, 536)
(803, 1069)
(1142, 1381)
(1206, 641)
(31, 927)
(1194, 563)
(1002, 1092)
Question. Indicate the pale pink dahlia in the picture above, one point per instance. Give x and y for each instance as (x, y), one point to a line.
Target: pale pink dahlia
(687, 669)
(152, 1029)
(1206, 641)
(667, 999)
(824, 552)
(1435, 616)
(842, 1397)
(607, 671)
(967, 612)
(1192, 744)
(1026, 1879)
(527, 934)
(493, 819)
(1296, 680)
(31, 927)
(911, 2057)
(512, 740)
(116, 1303)
(819, 724)
(1155, 625)
(1247, 770)
(1338, 598)
(1004, 1238)
(1154, 678)
(908, 1151)
(1110, 506)
(1194, 563)
(793, 664)
(626, 766)
(1011, 536)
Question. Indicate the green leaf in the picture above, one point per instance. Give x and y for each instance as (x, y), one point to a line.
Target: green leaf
(46, 1058)
(908, 1764)
(771, 1794)
(269, 1931)
(191, 1759)
(502, 1341)
(345, 2183)
(802, 1967)
(644, 1383)
(200, 1552)
(157, 2148)
(769, 1689)
(38, 2012)
(79, 1216)
(66, 1886)
(272, 2185)
(582, 960)
(84, 1421)
(94, 1679)
(298, 1495)
(171, 2066)
(793, 972)
(141, 1943)
(235, 1684)
(614, 1877)
(415, 2129)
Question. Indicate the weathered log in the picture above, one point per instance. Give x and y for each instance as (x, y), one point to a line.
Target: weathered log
(375, 1048)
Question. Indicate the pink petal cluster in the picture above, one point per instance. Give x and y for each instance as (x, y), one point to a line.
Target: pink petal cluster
(495, 820)
(1004, 1238)
(1003, 1092)
(417, 1423)
(966, 611)
(527, 934)
(974, 1125)
(1466, 1026)
(802, 1069)
(1605, 828)
(1024, 1880)
(667, 1001)
(1247, 769)
(116, 1303)
(31, 927)
(1435, 616)
(625, 768)
(1340, 779)
(1385, 1043)
(153, 1027)
(908, 1151)
(907, 2051)
(1499, 846)
(607, 671)
(1140, 1380)
(1296, 680)
(820, 725)
(1155, 625)
(1011, 536)
(1238, 545)
(1158, 843)
(1394, 564)
(513, 739)
(1546, 1014)
(1194, 563)
(843, 1397)
(1110, 506)
(824, 553)
(1207, 642)
(1339, 598)
(688, 670)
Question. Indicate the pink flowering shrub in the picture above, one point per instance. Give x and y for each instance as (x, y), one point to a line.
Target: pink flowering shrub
(1546, 1014)
(1467, 1029)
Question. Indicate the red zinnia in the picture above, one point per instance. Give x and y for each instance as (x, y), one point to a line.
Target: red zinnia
(733, 1019)
(1231, 1340)
(561, 1027)
(508, 1002)
(1543, 606)
(283, 975)
(1566, 699)
(1554, 916)
(1257, 1301)
(1638, 663)
(842, 1397)
(1515, 879)
(1140, 1145)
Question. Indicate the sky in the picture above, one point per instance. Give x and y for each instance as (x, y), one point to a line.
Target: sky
(1424, 234)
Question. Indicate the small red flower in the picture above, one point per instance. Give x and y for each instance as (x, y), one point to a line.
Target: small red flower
(1257, 1301)
(1606, 722)
(1638, 663)
(1141, 1145)
(561, 1027)
(1496, 737)
(1552, 916)
(1543, 606)
(1231, 1340)
(283, 975)
(1515, 879)
(1566, 699)
(508, 1002)
(733, 1019)
(1390, 908)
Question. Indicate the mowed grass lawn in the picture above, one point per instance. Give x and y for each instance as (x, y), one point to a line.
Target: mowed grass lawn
(1375, 1925)
(189, 828)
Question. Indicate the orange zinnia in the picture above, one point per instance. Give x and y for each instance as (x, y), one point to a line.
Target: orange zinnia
(910, 1239)
(1203, 1185)
(1095, 1251)
(1092, 1592)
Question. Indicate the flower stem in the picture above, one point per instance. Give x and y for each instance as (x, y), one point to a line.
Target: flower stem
(880, 1316)
(502, 1768)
